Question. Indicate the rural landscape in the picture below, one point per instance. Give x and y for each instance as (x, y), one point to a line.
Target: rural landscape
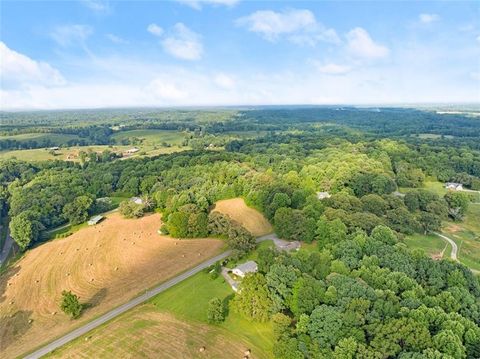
(221, 179)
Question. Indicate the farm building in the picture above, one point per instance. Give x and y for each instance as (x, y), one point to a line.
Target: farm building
(94, 220)
(242, 269)
(323, 195)
(132, 151)
(136, 200)
(454, 186)
(54, 148)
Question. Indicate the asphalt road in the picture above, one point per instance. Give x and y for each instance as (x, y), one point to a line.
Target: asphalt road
(454, 252)
(124, 307)
(7, 247)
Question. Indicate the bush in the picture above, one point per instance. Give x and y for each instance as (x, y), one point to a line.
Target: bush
(70, 304)
(216, 311)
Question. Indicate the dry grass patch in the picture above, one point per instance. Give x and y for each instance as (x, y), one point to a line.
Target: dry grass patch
(146, 332)
(106, 265)
(248, 217)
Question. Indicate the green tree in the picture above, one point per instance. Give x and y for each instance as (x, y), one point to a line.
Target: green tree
(77, 211)
(457, 204)
(216, 311)
(253, 298)
(24, 230)
(70, 304)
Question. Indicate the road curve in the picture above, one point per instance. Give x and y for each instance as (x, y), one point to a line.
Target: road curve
(453, 255)
(124, 307)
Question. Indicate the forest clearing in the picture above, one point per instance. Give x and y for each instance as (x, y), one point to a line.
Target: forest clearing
(248, 217)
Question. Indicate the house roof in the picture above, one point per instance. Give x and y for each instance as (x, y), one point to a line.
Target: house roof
(95, 219)
(247, 267)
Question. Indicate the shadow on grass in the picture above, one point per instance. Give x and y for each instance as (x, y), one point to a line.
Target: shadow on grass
(5, 278)
(14, 326)
(226, 304)
(95, 300)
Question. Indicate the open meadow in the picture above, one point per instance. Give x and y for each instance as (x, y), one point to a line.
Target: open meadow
(105, 265)
(248, 217)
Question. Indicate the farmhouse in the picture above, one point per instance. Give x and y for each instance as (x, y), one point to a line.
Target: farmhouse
(242, 269)
(94, 220)
(454, 186)
(323, 195)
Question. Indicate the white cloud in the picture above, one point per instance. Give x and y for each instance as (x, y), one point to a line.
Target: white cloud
(116, 39)
(154, 29)
(360, 44)
(332, 68)
(71, 34)
(478, 38)
(224, 81)
(183, 43)
(99, 6)
(18, 70)
(299, 26)
(428, 18)
(197, 4)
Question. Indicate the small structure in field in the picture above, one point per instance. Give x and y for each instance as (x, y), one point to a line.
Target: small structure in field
(323, 195)
(288, 246)
(136, 200)
(94, 220)
(243, 269)
(454, 186)
(131, 151)
(54, 148)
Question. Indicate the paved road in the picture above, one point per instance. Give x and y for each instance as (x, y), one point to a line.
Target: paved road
(124, 307)
(453, 255)
(7, 247)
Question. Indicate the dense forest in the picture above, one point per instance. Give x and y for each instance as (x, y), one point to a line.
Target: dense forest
(363, 293)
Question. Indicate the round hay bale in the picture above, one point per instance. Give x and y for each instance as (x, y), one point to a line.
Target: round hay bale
(202, 349)
(247, 352)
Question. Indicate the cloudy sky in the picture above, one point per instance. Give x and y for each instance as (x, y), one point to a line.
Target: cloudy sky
(92, 53)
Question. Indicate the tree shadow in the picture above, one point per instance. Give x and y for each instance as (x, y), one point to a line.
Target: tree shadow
(226, 304)
(5, 279)
(14, 326)
(96, 299)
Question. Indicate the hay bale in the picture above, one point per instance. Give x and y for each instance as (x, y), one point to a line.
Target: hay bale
(202, 349)
(247, 352)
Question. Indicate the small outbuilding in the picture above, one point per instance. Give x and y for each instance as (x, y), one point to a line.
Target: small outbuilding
(136, 200)
(454, 186)
(131, 151)
(243, 269)
(94, 220)
(323, 195)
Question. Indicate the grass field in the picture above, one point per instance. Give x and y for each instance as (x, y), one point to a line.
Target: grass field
(174, 324)
(467, 236)
(250, 218)
(105, 265)
(431, 244)
(57, 138)
(150, 137)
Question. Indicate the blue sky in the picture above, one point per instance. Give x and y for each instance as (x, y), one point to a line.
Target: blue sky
(91, 53)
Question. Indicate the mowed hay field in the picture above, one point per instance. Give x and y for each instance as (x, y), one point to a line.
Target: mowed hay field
(145, 332)
(250, 218)
(106, 265)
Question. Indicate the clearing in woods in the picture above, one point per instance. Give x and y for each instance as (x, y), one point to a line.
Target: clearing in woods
(106, 265)
(250, 218)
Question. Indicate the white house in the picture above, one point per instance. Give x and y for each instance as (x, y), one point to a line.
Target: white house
(323, 195)
(454, 186)
(242, 269)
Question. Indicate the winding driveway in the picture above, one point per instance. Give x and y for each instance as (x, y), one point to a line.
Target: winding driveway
(454, 252)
